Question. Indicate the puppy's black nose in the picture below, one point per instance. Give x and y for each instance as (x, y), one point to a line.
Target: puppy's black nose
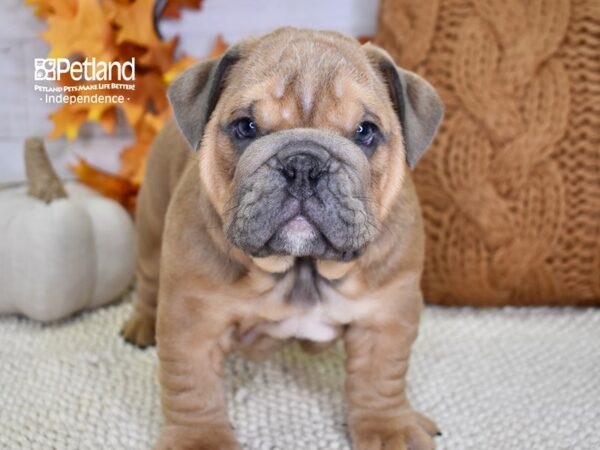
(302, 172)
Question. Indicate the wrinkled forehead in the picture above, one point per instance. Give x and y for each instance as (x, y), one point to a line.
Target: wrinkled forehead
(322, 50)
(301, 73)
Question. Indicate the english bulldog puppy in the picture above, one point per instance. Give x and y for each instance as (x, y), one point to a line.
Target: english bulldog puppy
(279, 205)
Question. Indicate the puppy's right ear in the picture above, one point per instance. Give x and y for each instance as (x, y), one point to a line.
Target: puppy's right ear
(195, 93)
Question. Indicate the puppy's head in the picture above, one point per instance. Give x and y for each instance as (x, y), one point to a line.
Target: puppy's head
(304, 138)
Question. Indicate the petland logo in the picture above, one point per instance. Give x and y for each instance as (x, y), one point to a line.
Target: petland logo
(96, 82)
(51, 69)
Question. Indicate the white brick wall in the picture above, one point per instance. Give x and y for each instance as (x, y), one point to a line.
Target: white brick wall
(22, 113)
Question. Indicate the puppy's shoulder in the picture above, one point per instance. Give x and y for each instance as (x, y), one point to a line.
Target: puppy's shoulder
(168, 156)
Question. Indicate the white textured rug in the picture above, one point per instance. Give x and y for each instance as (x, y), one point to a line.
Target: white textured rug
(493, 379)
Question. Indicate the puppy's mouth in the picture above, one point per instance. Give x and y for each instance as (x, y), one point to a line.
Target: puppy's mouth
(297, 236)
(300, 237)
(299, 230)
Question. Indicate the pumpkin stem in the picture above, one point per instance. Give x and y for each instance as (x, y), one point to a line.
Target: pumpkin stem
(42, 180)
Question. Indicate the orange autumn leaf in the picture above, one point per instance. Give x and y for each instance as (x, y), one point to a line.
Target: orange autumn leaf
(41, 8)
(67, 120)
(133, 157)
(133, 160)
(219, 47)
(160, 55)
(105, 114)
(88, 32)
(183, 63)
(150, 94)
(112, 186)
(152, 91)
(172, 10)
(135, 22)
(45, 8)
(133, 112)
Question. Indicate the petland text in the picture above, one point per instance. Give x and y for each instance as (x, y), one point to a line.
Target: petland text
(51, 69)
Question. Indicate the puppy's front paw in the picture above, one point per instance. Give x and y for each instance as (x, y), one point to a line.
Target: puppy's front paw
(214, 438)
(409, 430)
(139, 330)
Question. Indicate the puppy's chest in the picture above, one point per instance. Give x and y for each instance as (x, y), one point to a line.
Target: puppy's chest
(304, 305)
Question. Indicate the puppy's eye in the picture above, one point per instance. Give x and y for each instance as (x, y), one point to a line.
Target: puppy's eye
(365, 133)
(245, 128)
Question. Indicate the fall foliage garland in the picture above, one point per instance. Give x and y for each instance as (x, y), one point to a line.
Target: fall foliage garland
(116, 30)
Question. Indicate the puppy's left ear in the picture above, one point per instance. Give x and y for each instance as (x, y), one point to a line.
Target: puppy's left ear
(419, 107)
(195, 92)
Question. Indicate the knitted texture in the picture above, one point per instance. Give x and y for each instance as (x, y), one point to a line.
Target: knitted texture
(511, 186)
(492, 379)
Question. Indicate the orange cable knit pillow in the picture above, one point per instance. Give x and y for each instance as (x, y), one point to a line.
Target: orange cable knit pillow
(511, 186)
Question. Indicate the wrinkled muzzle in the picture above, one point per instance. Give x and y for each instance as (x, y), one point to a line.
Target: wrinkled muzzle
(301, 192)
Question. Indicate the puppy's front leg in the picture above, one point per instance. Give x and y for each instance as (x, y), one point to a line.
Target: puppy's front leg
(192, 343)
(379, 415)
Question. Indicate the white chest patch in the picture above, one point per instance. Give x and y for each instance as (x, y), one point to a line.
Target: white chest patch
(320, 320)
(314, 325)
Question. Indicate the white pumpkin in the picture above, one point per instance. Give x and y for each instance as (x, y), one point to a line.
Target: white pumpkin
(61, 250)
